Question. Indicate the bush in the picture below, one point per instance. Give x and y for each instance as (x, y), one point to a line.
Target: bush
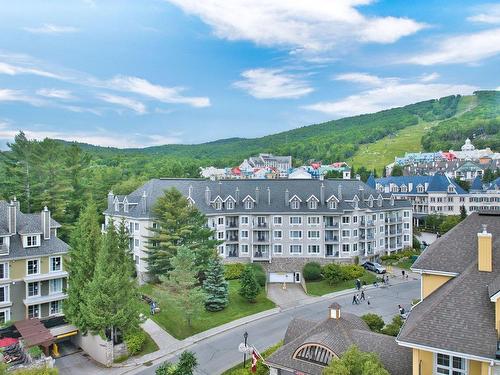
(312, 271)
(35, 352)
(374, 321)
(249, 286)
(392, 329)
(233, 271)
(352, 271)
(332, 273)
(260, 274)
(134, 341)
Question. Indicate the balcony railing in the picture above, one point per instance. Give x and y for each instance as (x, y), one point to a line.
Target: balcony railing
(258, 254)
(331, 238)
(232, 225)
(261, 225)
(261, 239)
(233, 254)
(232, 238)
(331, 225)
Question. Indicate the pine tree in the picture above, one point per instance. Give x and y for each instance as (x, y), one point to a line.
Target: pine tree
(249, 287)
(84, 247)
(181, 285)
(215, 286)
(178, 224)
(463, 212)
(111, 299)
(124, 245)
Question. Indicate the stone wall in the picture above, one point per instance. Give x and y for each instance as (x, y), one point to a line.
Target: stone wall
(297, 264)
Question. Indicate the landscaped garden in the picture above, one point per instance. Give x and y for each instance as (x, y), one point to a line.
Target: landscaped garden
(333, 277)
(171, 318)
(138, 344)
(404, 259)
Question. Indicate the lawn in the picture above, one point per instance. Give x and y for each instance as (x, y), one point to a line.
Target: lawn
(261, 369)
(172, 321)
(148, 347)
(319, 288)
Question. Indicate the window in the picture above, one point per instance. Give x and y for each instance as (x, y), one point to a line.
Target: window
(406, 238)
(346, 233)
(313, 220)
(295, 204)
(136, 259)
(346, 219)
(381, 242)
(244, 234)
(4, 293)
(278, 235)
(313, 204)
(354, 219)
(55, 308)
(248, 204)
(446, 364)
(277, 220)
(221, 249)
(345, 247)
(313, 234)
(406, 225)
(332, 205)
(136, 227)
(295, 220)
(136, 242)
(220, 235)
(244, 220)
(220, 220)
(33, 267)
(355, 233)
(55, 286)
(354, 247)
(218, 204)
(31, 241)
(155, 226)
(451, 189)
(381, 216)
(296, 234)
(33, 289)
(277, 249)
(55, 264)
(295, 249)
(315, 354)
(420, 189)
(230, 204)
(313, 249)
(33, 311)
(4, 316)
(381, 229)
(4, 271)
(406, 213)
(244, 249)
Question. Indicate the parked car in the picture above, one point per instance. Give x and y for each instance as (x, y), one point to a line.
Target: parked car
(375, 267)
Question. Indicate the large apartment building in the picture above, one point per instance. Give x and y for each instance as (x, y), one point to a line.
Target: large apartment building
(32, 272)
(280, 222)
(439, 194)
(455, 329)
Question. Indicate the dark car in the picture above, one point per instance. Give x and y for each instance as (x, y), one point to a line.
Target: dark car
(374, 267)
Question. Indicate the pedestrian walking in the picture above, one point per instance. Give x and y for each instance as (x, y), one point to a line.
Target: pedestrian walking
(358, 284)
(362, 297)
(375, 284)
(401, 310)
(403, 274)
(368, 301)
(354, 300)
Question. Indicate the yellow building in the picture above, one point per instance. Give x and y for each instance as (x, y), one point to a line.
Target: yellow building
(455, 329)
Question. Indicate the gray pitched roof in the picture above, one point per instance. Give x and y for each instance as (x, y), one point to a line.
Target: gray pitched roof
(338, 335)
(459, 315)
(154, 188)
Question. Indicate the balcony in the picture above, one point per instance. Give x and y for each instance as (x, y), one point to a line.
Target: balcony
(261, 255)
(367, 223)
(232, 238)
(261, 239)
(45, 276)
(234, 253)
(261, 225)
(331, 225)
(4, 249)
(36, 300)
(331, 238)
(232, 225)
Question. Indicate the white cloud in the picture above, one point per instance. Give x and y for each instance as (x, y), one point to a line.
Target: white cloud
(56, 94)
(132, 104)
(49, 28)
(12, 70)
(161, 93)
(488, 13)
(363, 78)
(272, 84)
(466, 48)
(312, 25)
(429, 77)
(392, 94)
(8, 95)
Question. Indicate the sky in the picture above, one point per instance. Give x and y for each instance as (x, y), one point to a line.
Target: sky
(130, 73)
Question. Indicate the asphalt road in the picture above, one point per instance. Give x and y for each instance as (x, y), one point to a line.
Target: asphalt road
(220, 352)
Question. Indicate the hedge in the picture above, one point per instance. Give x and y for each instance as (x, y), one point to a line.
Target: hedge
(232, 271)
(335, 273)
(312, 271)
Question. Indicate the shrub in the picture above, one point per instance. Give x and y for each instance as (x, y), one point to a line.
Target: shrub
(356, 260)
(352, 271)
(374, 321)
(233, 271)
(134, 341)
(35, 352)
(260, 274)
(312, 271)
(332, 273)
(392, 329)
(249, 287)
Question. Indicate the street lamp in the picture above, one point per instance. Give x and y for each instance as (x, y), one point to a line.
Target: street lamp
(245, 336)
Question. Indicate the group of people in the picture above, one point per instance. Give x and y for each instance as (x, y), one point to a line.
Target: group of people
(358, 297)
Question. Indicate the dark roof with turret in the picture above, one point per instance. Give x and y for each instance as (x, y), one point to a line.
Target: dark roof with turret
(143, 199)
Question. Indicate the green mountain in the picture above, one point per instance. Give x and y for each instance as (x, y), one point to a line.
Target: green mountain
(453, 118)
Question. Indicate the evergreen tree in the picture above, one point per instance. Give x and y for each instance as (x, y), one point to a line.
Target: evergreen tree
(397, 170)
(215, 286)
(178, 224)
(125, 251)
(181, 285)
(111, 299)
(84, 247)
(356, 362)
(488, 175)
(463, 212)
(249, 286)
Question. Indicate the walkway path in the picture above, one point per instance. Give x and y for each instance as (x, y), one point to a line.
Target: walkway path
(293, 295)
(159, 335)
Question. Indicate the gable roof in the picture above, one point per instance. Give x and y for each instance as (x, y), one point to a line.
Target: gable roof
(477, 184)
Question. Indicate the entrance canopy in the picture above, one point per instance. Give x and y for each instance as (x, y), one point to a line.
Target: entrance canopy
(34, 333)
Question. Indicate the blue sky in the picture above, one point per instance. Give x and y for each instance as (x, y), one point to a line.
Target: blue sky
(141, 73)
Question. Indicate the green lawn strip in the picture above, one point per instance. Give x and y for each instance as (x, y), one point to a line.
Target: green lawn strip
(320, 288)
(404, 263)
(239, 369)
(148, 347)
(171, 319)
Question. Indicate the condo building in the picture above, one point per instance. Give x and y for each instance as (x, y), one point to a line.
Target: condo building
(281, 223)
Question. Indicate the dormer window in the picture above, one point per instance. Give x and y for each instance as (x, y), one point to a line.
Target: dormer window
(295, 204)
(370, 201)
(230, 204)
(248, 204)
(451, 189)
(394, 188)
(32, 241)
(420, 189)
(332, 205)
(313, 204)
(218, 205)
(403, 189)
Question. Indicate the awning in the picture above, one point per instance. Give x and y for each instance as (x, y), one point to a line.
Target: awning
(63, 331)
(33, 332)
